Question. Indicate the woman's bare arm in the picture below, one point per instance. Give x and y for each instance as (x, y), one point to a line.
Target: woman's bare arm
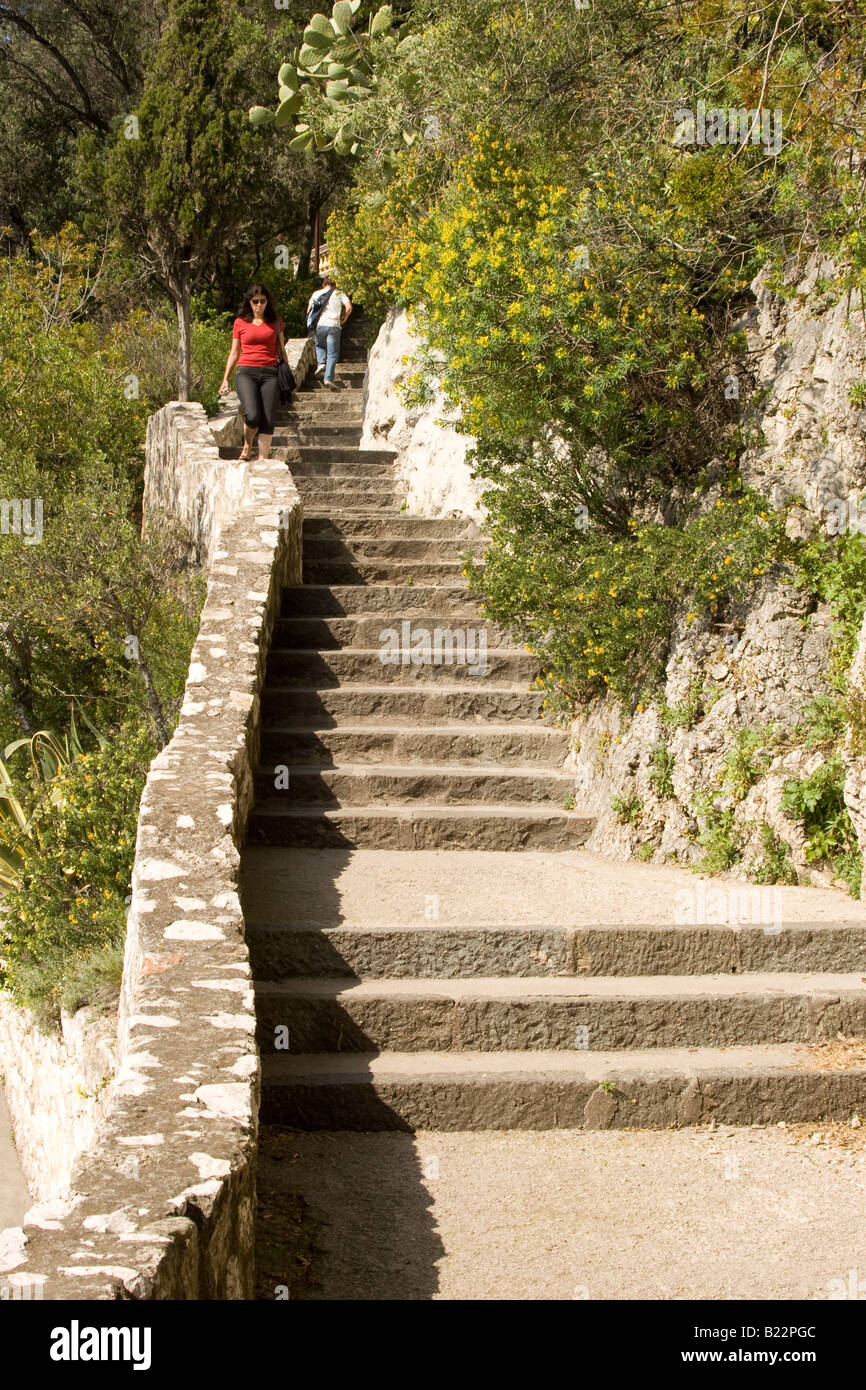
(231, 363)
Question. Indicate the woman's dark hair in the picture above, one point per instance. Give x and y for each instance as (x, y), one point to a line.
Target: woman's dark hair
(245, 312)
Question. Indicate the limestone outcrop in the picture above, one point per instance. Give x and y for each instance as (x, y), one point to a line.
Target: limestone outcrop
(432, 470)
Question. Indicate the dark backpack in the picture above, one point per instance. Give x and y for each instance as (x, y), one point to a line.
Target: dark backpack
(318, 309)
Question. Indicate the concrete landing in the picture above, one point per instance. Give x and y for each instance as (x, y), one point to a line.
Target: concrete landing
(757, 1213)
(572, 888)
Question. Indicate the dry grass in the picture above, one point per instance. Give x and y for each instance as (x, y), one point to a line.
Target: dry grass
(839, 1054)
(835, 1135)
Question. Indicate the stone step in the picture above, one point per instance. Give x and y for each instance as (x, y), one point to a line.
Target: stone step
(347, 369)
(359, 468)
(323, 486)
(334, 453)
(336, 571)
(419, 827)
(399, 525)
(349, 381)
(315, 399)
(601, 1014)
(337, 600)
(375, 494)
(292, 666)
(344, 436)
(509, 745)
(388, 547)
(388, 784)
(479, 701)
(351, 511)
(654, 1089)
(327, 408)
(280, 948)
(319, 424)
(335, 634)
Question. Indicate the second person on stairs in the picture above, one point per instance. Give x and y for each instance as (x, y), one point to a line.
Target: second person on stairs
(332, 309)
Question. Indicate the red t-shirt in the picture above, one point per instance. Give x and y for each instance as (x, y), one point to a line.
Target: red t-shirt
(259, 343)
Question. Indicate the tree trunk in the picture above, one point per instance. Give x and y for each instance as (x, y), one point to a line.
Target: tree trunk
(18, 666)
(163, 732)
(184, 369)
(308, 239)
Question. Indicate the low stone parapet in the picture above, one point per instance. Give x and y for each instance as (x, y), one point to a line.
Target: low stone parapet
(162, 1206)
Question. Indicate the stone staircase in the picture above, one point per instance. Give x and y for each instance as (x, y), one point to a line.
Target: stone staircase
(477, 1024)
(447, 754)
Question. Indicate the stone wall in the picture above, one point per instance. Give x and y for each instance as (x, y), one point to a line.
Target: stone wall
(162, 1206)
(57, 1090)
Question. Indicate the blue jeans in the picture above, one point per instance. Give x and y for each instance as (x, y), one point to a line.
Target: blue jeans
(328, 348)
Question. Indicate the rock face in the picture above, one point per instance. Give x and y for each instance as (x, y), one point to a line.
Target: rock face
(431, 466)
(652, 776)
(805, 359)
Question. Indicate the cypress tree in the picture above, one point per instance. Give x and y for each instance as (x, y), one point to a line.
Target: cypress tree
(177, 173)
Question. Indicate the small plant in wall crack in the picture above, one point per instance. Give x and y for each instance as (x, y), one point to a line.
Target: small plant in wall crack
(748, 760)
(661, 771)
(96, 1092)
(628, 809)
(718, 838)
(775, 864)
(818, 803)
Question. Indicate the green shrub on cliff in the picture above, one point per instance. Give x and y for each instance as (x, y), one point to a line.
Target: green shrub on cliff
(76, 853)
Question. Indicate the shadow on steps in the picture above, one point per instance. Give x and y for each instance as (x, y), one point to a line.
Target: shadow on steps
(338, 1228)
(344, 1217)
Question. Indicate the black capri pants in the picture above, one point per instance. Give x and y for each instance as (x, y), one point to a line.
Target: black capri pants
(259, 390)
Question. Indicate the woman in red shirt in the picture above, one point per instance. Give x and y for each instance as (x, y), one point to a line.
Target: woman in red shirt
(257, 349)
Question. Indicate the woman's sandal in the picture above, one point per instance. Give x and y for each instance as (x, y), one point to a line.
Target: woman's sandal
(244, 455)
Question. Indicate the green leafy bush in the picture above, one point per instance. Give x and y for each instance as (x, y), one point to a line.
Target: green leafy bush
(835, 571)
(70, 900)
(600, 611)
(148, 341)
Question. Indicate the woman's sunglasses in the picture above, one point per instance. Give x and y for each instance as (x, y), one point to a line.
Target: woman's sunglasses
(258, 301)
